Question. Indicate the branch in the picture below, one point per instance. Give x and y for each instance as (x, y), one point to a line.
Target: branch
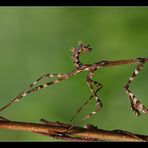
(62, 131)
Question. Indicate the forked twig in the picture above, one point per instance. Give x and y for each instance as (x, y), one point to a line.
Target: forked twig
(94, 86)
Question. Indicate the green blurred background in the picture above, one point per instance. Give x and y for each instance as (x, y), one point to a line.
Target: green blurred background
(37, 40)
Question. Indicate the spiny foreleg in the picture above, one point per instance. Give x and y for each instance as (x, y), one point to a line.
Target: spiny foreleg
(136, 105)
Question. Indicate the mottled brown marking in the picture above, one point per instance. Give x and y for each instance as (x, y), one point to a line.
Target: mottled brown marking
(94, 86)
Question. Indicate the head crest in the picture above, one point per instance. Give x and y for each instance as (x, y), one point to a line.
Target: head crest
(82, 48)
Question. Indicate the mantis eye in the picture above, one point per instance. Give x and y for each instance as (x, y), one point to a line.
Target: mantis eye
(72, 49)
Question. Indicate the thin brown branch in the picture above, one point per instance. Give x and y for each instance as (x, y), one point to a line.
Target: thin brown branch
(57, 130)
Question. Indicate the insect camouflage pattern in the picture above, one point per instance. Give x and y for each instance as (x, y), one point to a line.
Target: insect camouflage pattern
(94, 86)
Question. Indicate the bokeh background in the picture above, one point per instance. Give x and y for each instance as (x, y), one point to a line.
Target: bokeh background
(37, 40)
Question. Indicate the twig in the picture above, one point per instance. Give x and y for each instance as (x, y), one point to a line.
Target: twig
(57, 130)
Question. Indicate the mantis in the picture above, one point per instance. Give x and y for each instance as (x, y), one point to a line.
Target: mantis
(94, 86)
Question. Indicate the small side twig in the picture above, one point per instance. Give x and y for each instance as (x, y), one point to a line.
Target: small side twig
(57, 130)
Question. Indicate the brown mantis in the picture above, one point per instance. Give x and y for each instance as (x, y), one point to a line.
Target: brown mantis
(94, 86)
